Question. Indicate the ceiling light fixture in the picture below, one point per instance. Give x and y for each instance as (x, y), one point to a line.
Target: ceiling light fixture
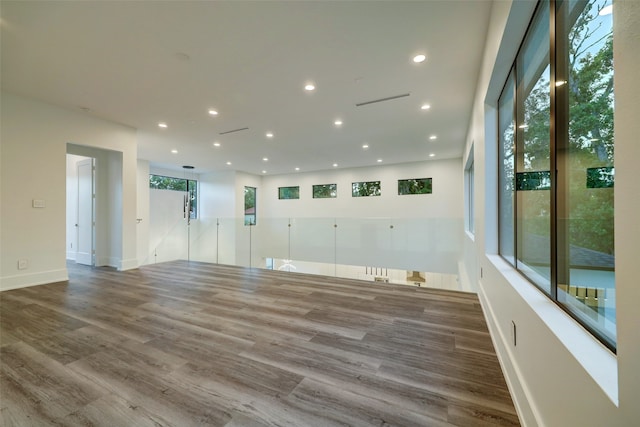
(297, 169)
(265, 159)
(213, 112)
(425, 107)
(228, 163)
(419, 58)
(433, 137)
(264, 171)
(309, 87)
(162, 125)
(379, 160)
(338, 122)
(365, 146)
(432, 155)
(174, 151)
(216, 144)
(335, 165)
(269, 135)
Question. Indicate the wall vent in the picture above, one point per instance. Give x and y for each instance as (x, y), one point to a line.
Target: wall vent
(389, 98)
(234, 130)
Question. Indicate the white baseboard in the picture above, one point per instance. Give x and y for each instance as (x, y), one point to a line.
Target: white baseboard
(33, 279)
(519, 392)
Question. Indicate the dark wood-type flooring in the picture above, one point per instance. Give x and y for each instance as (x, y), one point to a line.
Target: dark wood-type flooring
(190, 344)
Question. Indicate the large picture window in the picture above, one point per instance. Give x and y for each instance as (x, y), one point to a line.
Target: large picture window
(189, 186)
(556, 146)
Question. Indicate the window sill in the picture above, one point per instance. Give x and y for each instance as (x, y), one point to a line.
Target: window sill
(597, 360)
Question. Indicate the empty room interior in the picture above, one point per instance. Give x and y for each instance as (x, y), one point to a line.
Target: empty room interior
(319, 213)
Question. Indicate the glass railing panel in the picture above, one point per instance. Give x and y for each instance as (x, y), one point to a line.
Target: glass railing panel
(363, 241)
(168, 242)
(431, 244)
(203, 239)
(272, 239)
(313, 239)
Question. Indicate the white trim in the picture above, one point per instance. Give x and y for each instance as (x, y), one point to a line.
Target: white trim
(33, 279)
(520, 394)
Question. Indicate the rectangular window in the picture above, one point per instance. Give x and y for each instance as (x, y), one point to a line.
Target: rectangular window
(556, 114)
(414, 186)
(325, 191)
(189, 186)
(365, 189)
(533, 151)
(469, 193)
(288, 193)
(506, 172)
(250, 206)
(584, 88)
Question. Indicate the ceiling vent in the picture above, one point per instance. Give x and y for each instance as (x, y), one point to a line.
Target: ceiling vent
(389, 98)
(232, 131)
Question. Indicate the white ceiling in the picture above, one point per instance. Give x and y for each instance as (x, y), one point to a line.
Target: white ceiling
(142, 62)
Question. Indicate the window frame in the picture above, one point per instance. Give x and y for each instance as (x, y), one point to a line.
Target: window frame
(188, 183)
(558, 127)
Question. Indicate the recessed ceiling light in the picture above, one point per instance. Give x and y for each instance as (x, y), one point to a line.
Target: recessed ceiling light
(365, 146)
(309, 86)
(297, 169)
(432, 155)
(379, 160)
(265, 159)
(607, 10)
(335, 165)
(174, 151)
(425, 107)
(216, 144)
(338, 122)
(432, 137)
(213, 112)
(419, 58)
(264, 171)
(228, 163)
(162, 125)
(269, 135)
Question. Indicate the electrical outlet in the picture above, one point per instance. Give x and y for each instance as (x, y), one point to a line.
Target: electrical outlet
(513, 333)
(23, 264)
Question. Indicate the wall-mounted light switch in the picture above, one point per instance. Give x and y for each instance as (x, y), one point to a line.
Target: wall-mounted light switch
(23, 264)
(38, 203)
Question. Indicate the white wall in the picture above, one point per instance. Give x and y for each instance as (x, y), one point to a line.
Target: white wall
(558, 374)
(445, 202)
(34, 145)
(214, 232)
(421, 232)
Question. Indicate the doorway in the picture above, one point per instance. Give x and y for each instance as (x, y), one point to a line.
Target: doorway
(81, 235)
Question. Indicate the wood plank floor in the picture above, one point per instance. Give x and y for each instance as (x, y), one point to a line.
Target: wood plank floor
(192, 344)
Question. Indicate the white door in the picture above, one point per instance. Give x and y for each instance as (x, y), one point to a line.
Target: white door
(86, 221)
